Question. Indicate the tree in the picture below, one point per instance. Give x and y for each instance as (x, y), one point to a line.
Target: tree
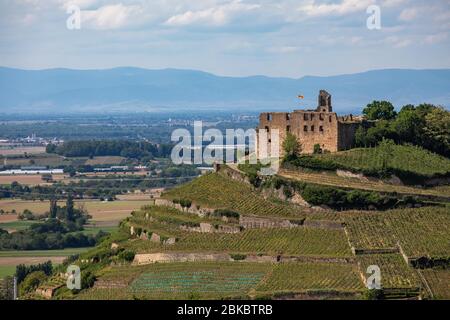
(70, 211)
(291, 147)
(32, 281)
(379, 110)
(408, 125)
(437, 130)
(53, 208)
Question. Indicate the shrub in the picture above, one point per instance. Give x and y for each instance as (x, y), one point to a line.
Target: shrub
(238, 256)
(127, 255)
(226, 213)
(32, 281)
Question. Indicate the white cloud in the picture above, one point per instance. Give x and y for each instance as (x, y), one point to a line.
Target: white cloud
(345, 7)
(398, 42)
(214, 16)
(110, 16)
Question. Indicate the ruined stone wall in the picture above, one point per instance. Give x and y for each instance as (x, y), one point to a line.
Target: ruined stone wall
(346, 134)
(310, 127)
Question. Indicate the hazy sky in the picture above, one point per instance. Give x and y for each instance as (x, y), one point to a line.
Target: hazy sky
(227, 37)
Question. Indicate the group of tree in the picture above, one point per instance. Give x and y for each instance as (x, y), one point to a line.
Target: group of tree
(124, 148)
(424, 125)
(62, 229)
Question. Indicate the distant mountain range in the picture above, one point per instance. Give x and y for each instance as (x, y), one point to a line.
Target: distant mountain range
(170, 90)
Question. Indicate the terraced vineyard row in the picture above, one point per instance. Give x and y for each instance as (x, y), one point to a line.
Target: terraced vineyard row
(395, 273)
(439, 282)
(409, 158)
(205, 280)
(420, 232)
(330, 179)
(217, 191)
(297, 241)
(312, 276)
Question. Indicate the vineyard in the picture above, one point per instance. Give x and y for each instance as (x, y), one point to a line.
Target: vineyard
(298, 277)
(404, 157)
(420, 232)
(439, 282)
(331, 179)
(395, 273)
(296, 241)
(217, 191)
(214, 280)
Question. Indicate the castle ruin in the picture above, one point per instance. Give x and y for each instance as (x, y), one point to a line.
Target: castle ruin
(321, 126)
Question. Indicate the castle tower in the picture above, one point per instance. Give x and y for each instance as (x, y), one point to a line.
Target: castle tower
(324, 102)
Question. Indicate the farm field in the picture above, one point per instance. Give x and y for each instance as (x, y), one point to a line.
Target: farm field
(16, 225)
(105, 160)
(439, 282)
(7, 151)
(100, 211)
(6, 271)
(408, 158)
(10, 259)
(420, 232)
(31, 180)
(217, 191)
(43, 253)
(331, 179)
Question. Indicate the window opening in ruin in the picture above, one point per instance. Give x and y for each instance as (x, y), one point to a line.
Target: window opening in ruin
(269, 117)
(305, 128)
(288, 128)
(312, 128)
(321, 128)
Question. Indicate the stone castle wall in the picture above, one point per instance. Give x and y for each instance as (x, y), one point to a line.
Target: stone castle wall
(321, 127)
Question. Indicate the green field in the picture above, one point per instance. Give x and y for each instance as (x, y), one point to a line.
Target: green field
(404, 157)
(6, 271)
(43, 253)
(217, 191)
(17, 225)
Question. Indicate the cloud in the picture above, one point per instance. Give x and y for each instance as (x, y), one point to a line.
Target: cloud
(409, 14)
(398, 42)
(110, 16)
(436, 38)
(214, 16)
(314, 9)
